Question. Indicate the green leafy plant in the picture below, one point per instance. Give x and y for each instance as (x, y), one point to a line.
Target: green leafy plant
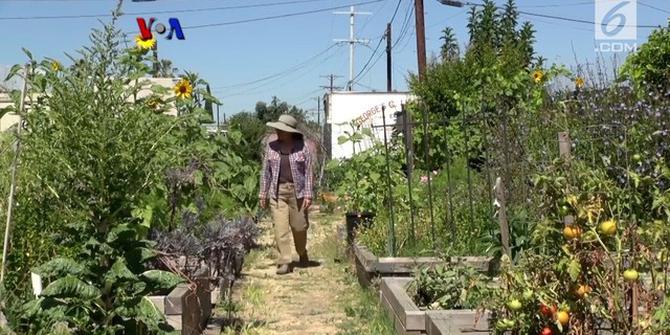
(103, 290)
(447, 287)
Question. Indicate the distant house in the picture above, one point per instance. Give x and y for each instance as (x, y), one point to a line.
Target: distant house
(11, 119)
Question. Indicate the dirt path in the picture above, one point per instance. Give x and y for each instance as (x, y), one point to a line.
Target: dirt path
(306, 301)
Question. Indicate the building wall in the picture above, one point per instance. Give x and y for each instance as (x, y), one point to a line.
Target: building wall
(11, 119)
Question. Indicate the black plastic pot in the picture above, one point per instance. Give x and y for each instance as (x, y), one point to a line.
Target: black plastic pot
(355, 220)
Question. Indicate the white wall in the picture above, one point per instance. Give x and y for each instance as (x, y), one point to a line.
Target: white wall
(364, 109)
(11, 119)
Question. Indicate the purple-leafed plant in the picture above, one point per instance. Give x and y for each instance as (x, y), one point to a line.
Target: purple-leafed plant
(220, 244)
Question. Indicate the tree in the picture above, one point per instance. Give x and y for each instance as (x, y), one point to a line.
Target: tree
(271, 112)
(649, 67)
(253, 130)
(450, 50)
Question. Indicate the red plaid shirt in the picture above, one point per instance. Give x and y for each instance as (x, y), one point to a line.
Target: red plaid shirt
(301, 170)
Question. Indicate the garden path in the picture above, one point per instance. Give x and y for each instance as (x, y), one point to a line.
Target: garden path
(306, 301)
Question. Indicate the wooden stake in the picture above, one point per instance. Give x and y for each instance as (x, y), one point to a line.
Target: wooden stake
(502, 217)
(12, 188)
(564, 145)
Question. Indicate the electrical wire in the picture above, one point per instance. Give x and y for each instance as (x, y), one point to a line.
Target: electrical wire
(555, 17)
(286, 81)
(405, 26)
(374, 53)
(653, 7)
(281, 16)
(283, 72)
(190, 10)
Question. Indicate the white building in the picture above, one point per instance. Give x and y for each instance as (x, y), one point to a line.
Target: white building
(348, 112)
(11, 119)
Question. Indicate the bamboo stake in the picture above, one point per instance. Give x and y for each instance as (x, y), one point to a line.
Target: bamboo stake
(12, 188)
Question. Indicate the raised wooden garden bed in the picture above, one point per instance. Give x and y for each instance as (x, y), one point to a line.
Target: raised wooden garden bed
(187, 307)
(409, 319)
(369, 266)
(455, 322)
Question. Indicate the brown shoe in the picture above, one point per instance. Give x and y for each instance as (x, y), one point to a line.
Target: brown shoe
(283, 269)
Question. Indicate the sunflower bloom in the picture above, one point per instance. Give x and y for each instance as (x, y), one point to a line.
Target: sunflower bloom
(183, 89)
(538, 75)
(579, 82)
(143, 44)
(56, 66)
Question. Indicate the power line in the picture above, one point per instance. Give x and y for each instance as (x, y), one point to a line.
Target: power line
(190, 10)
(281, 15)
(374, 53)
(555, 17)
(281, 82)
(653, 7)
(405, 25)
(281, 73)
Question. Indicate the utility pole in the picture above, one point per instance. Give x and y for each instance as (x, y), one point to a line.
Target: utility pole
(352, 41)
(389, 68)
(420, 38)
(331, 87)
(318, 110)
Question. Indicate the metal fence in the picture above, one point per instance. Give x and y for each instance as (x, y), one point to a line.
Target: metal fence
(486, 183)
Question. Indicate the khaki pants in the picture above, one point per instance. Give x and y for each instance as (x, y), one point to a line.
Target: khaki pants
(289, 217)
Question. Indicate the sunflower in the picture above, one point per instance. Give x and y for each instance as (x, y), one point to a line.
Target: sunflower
(56, 66)
(579, 82)
(538, 75)
(143, 44)
(183, 89)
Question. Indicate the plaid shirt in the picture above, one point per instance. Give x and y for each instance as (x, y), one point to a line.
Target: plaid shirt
(301, 170)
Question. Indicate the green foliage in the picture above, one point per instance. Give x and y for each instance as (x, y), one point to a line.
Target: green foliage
(103, 291)
(99, 168)
(447, 287)
(648, 68)
(271, 112)
(253, 130)
(364, 176)
(461, 219)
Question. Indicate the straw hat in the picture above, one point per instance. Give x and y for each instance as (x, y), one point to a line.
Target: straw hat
(285, 123)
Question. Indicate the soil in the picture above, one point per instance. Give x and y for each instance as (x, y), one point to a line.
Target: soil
(305, 301)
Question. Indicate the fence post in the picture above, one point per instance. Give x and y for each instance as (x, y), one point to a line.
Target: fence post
(409, 155)
(391, 225)
(426, 147)
(502, 216)
(564, 145)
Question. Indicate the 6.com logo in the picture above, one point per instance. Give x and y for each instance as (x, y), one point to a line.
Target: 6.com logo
(616, 25)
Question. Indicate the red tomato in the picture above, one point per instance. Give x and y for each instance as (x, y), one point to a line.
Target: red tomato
(545, 310)
(547, 331)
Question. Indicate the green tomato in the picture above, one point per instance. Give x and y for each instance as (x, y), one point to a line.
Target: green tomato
(528, 294)
(564, 211)
(514, 305)
(509, 324)
(637, 157)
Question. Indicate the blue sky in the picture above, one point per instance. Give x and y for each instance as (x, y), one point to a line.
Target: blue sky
(230, 55)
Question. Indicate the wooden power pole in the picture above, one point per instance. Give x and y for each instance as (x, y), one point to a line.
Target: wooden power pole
(420, 38)
(389, 67)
